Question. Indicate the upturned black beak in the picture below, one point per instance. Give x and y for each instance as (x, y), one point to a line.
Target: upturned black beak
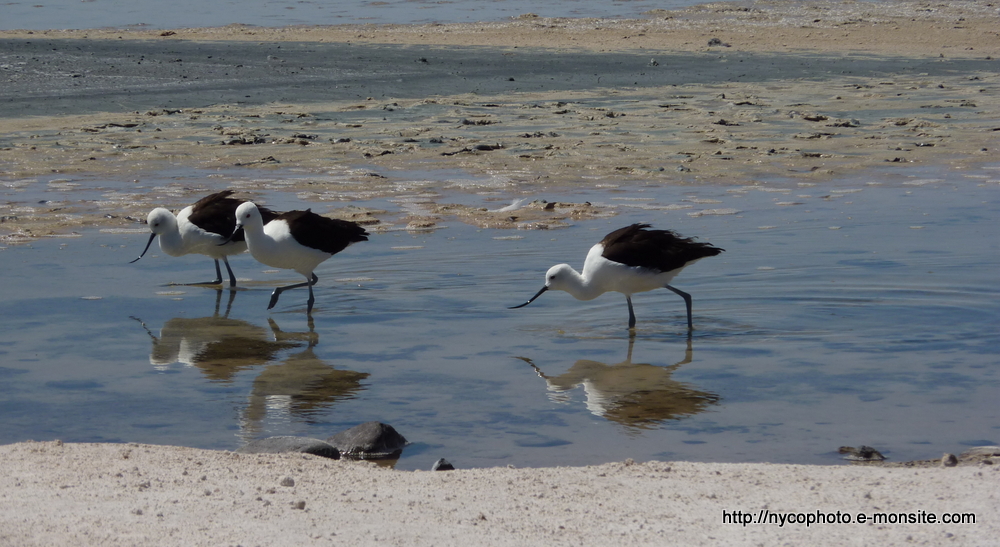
(148, 243)
(530, 300)
(232, 235)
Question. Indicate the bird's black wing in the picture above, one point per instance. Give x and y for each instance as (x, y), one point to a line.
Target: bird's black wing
(661, 250)
(266, 214)
(330, 235)
(216, 213)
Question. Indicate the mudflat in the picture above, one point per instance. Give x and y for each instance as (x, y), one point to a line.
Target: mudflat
(766, 93)
(757, 94)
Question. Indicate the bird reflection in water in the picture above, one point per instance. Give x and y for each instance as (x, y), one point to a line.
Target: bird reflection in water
(301, 385)
(298, 385)
(636, 395)
(217, 345)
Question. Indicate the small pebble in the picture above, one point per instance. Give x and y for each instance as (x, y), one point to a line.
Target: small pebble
(443, 465)
(949, 460)
(287, 481)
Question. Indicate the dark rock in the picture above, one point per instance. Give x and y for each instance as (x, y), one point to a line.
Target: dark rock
(861, 454)
(369, 441)
(280, 445)
(443, 465)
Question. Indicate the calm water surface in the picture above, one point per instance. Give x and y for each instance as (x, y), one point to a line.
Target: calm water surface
(82, 14)
(57, 14)
(858, 312)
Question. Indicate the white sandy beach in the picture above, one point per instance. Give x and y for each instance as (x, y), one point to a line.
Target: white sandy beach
(108, 494)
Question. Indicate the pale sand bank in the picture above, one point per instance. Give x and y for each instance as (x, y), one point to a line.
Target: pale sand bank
(114, 494)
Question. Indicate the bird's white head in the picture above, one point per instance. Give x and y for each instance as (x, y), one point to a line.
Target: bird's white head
(160, 220)
(561, 277)
(247, 214)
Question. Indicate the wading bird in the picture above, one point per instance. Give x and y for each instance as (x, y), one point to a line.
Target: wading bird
(629, 260)
(296, 240)
(206, 227)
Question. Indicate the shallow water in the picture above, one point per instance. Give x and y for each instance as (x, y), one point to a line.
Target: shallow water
(855, 312)
(58, 14)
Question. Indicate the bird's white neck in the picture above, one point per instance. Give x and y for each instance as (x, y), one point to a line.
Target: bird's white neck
(252, 228)
(253, 232)
(564, 278)
(171, 242)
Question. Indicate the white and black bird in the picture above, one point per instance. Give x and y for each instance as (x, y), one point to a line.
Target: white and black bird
(629, 260)
(296, 240)
(206, 228)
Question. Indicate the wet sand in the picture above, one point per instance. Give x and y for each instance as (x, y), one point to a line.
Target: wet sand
(782, 95)
(719, 94)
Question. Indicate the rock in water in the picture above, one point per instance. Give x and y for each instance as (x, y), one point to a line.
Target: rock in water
(369, 441)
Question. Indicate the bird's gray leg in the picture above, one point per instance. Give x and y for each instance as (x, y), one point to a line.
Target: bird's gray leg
(274, 297)
(687, 301)
(217, 281)
(631, 313)
(232, 278)
(309, 304)
(218, 275)
(278, 290)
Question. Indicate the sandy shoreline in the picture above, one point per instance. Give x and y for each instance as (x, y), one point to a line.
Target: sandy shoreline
(785, 96)
(116, 494)
(788, 96)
